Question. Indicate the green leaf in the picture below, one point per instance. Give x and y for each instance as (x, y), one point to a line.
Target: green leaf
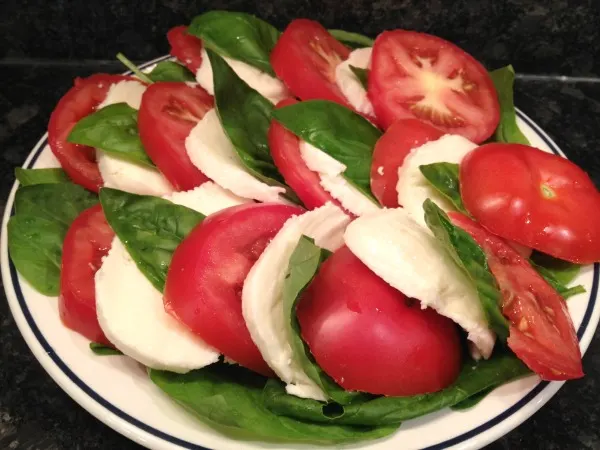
(562, 271)
(150, 228)
(230, 399)
(103, 350)
(362, 75)
(444, 178)
(472, 401)
(352, 40)
(135, 69)
(341, 133)
(36, 232)
(508, 130)
(475, 377)
(171, 71)
(112, 129)
(237, 35)
(28, 177)
(472, 260)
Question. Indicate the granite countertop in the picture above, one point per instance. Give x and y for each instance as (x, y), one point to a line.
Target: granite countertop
(36, 414)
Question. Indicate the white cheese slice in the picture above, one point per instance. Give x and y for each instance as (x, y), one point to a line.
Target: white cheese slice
(413, 188)
(351, 86)
(211, 151)
(269, 87)
(262, 295)
(408, 258)
(331, 177)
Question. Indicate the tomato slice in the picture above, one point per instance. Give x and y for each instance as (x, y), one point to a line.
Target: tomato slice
(370, 337)
(185, 47)
(542, 334)
(79, 161)
(389, 153)
(168, 112)
(423, 76)
(535, 198)
(205, 280)
(86, 243)
(305, 58)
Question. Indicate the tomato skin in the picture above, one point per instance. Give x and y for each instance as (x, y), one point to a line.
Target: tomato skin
(401, 77)
(542, 334)
(88, 240)
(167, 114)
(503, 186)
(79, 161)
(370, 337)
(204, 283)
(185, 47)
(389, 153)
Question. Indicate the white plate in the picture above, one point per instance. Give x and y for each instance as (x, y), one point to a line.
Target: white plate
(117, 391)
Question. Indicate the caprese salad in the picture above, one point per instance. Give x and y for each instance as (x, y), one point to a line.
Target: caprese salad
(309, 235)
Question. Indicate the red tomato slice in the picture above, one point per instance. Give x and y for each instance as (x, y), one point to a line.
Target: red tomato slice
(305, 58)
(167, 114)
(423, 76)
(542, 334)
(370, 337)
(535, 198)
(205, 280)
(185, 47)
(86, 243)
(79, 161)
(390, 151)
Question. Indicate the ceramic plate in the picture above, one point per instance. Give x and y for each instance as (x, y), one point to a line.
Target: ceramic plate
(117, 391)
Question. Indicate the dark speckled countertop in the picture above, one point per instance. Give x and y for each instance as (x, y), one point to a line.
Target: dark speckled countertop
(552, 44)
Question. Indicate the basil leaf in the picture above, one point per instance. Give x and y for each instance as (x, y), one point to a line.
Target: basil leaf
(508, 130)
(362, 75)
(352, 40)
(339, 132)
(444, 178)
(36, 232)
(28, 177)
(103, 350)
(237, 35)
(472, 401)
(475, 377)
(562, 271)
(150, 228)
(113, 129)
(472, 260)
(171, 71)
(229, 398)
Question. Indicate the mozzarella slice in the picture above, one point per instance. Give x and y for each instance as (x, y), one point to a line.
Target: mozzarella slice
(262, 295)
(413, 188)
(266, 85)
(330, 173)
(211, 151)
(121, 174)
(411, 260)
(351, 86)
(130, 309)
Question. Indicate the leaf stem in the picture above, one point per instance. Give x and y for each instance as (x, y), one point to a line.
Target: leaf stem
(135, 69)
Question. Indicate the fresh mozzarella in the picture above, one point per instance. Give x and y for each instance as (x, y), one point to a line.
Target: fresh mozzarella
(121, 174)
(351, 86)
(413, 188)
(262, 295)
(211, 151)
(266, 85)
(130, 309)
(331, 177)
(411, 260)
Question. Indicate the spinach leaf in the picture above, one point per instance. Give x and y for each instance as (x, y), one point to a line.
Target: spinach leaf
(229, 398)
(36, 232)
(352, 40)
(237, 35)
(362, 75)
(103, 350)
(339, 132)
(472, 260)
(28, 177)
(113, 129)
(151, 228)
(171, 71)
(508, 130)
(475, 377)
(444, 178)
